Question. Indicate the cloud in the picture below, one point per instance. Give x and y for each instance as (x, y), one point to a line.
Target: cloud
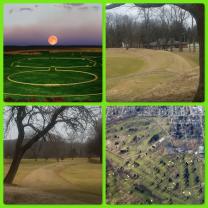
(33, 28)
(83, 8)
(95, 7)
(66, 6)
(26, 9)
(77, 6)
(74, 4)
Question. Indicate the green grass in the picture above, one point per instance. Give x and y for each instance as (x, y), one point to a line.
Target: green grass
(16, 65)
(117, 66)
(160, 184)
(51, 77)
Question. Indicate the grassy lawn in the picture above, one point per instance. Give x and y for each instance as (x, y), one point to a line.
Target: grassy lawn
(72, 181)
(151, 75)
(121, 66)
(160, 175)
(193, 57)
(53, 68)
(26, 166)
(51, 77)
(84, 176)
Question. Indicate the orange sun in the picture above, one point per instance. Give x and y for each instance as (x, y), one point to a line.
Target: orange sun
(52, 40)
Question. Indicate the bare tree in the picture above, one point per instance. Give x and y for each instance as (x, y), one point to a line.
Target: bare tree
(179, 14)
(40, 122)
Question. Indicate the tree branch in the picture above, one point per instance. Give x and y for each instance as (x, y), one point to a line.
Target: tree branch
(45, 130)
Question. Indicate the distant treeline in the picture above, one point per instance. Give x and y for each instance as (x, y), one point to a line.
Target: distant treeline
(58, 149)
(167, 24)
(38, 47)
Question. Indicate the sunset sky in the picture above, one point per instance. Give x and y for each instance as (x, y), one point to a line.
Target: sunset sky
(32, 24)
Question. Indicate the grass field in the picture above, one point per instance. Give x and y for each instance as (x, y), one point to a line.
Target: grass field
(151, 75)
(76, 181)
(53, 76)
(148, 173)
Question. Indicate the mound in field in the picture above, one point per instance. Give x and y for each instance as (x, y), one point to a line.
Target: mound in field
(151, 75)
(60, 76)
(70, 181)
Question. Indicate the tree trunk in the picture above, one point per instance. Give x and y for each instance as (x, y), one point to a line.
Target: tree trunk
(193, 41)
(189, 46)
(194, 46)
(200, 28)
(13, 168)
(180, 47)
(101, 157)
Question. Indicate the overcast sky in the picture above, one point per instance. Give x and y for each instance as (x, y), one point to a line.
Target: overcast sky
(32, 24)
(133, 11)
(59, 129)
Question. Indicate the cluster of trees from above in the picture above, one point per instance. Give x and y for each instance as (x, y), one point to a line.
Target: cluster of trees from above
(162, 25)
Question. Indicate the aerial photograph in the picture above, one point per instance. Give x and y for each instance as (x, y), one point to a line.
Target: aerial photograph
(52, 155)
(52, 52)
(155, 52)
(155, 155)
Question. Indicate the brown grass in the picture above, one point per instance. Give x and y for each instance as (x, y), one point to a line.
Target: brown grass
(163, 76)
(70, 181)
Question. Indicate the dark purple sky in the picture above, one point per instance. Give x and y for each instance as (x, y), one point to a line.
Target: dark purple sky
(32, 24)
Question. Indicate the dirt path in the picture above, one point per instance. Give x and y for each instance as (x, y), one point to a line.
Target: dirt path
(47, 184)
(44, 177)
(165, 76)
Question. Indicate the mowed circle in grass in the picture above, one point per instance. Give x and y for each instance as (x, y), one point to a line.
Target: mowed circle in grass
(56, 61)
(40, 74)
(52, 77)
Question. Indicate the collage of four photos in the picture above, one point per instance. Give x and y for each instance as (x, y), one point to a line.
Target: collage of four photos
(103, 103)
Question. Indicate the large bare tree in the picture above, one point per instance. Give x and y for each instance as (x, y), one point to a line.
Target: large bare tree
(197, 12)
(40, 122)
